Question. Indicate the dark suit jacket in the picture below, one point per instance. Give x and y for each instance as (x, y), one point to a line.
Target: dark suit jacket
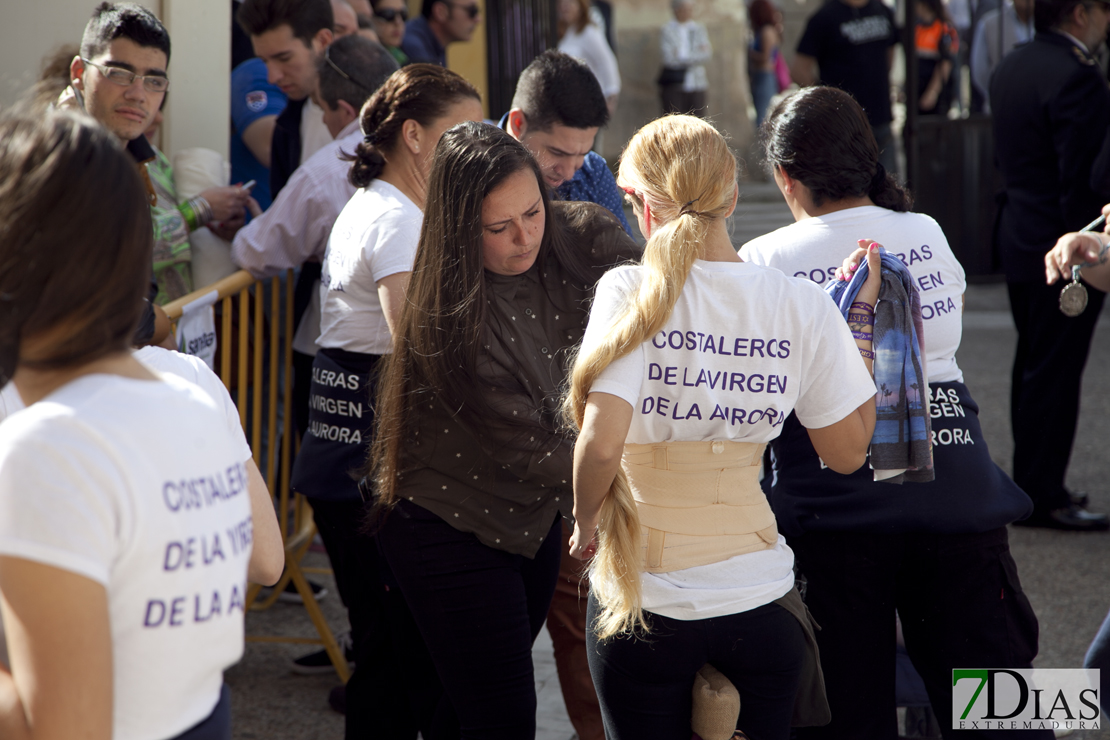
(285, 146)
(1051, 110)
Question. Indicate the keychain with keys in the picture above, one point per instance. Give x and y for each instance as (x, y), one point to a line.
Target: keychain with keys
(1073, 298)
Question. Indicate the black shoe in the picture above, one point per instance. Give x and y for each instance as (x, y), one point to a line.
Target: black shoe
(337, 699)
(1079, 498)
(318, 662)
(1071, 518)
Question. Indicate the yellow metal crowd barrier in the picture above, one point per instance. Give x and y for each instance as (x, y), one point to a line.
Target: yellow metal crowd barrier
(245, 367)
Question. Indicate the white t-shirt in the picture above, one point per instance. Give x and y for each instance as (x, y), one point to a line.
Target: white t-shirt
(814, 247)
(197, 372)
(374, 237)
(743, 347)
(589, 46)
(314, 132)
(139, 486)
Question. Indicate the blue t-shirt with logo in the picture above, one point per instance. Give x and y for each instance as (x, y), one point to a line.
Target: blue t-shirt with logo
(252, 97)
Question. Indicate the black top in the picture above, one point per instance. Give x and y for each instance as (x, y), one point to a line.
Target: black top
(1051, 110)
(507, 485)
(969, 494)
(850, 46)
(285, 146)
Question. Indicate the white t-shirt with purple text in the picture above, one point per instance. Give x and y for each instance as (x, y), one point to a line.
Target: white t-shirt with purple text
(97, 481)
(814, 247)
(744, 346)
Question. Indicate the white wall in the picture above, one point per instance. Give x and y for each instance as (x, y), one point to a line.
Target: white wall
(198, 109)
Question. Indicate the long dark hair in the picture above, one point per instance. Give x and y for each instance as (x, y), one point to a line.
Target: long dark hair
(820, 136)
(75, 241)
(446, 319)
(421, 92)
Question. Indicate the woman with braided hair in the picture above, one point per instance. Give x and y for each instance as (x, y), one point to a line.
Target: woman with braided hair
(364, 275)
(689, 366)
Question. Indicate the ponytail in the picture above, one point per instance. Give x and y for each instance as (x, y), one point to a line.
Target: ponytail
(367, 164)
(886, 193)
(420, 92)
(675, 162)
(820, 136)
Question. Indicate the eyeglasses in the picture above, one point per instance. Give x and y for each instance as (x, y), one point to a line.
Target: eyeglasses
(126, 78)
(631, 193)
(344, 75)
(471, 11)
(389, 14)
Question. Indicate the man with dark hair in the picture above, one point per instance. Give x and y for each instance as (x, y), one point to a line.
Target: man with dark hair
(256, 104)
(850, 44)
(441, 22)
(557, 110)
(120, 79)
(1051, 112)
(293, 232)
(290, 36)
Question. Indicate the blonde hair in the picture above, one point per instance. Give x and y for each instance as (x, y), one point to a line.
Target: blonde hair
(682, 168)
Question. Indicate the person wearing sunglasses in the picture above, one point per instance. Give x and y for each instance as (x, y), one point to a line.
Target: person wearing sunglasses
(441, 22)
(389, 21)
(119, 78)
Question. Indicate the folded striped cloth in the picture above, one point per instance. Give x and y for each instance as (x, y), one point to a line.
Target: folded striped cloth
(901, 449)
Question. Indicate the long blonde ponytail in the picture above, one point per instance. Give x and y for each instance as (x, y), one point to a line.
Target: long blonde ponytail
(682, 169)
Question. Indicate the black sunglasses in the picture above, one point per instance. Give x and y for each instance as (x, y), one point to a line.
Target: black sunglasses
(389, 14)
(471, 11)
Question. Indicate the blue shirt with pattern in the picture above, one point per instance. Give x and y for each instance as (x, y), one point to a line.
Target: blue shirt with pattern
(595, 182)
(592, 182)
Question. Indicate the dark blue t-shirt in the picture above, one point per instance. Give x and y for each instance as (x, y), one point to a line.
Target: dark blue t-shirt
(421, 45)
(252, 97)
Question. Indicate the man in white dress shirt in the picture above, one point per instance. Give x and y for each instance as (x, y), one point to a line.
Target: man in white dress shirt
(295, 229)
(993, 41)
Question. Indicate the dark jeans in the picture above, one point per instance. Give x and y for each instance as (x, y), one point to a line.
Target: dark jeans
(394, 690)
(677, 100)
(1044, 396)
(888, 154)
(217, 725)
(961, 606)
(479, 610)
(1098, 656)
(645, 684)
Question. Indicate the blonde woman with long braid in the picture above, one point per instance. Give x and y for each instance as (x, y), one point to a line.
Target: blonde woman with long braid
(689, 366)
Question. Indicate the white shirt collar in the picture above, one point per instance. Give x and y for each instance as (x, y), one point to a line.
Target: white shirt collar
(1074, 40)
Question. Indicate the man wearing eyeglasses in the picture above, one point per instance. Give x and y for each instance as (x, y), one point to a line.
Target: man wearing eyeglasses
(120, 79)
(441, 22)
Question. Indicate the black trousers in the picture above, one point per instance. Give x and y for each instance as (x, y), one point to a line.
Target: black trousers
(479, 611)
(394, 690)
(645, 684)
(961, 606)
(1044, 397)
(677, 100)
